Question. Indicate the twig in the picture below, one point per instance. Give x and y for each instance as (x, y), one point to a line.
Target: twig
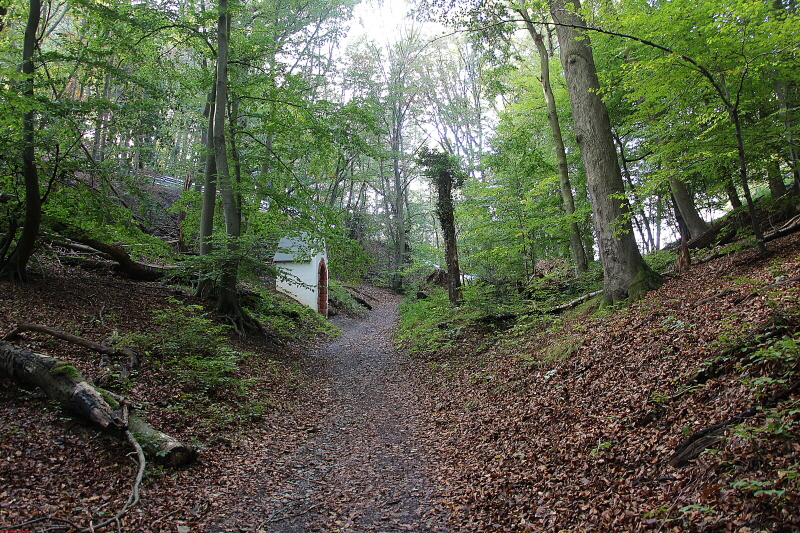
(739, 300)
(675, 504)
(133, 499)
(67, 523)
(720, 294)
(159, 519)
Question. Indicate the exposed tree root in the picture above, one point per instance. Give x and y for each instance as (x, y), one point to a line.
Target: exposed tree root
(692, 447)
(130, 268)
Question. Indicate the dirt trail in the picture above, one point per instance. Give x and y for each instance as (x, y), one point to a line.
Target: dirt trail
(363, 466)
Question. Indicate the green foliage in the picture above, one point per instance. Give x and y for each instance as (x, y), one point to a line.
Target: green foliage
(338, 293)
(660, 260)
(192, 347)
(423, 323)
(289, 319)
(776, 363)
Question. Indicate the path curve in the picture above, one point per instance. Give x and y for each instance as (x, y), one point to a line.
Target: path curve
(363, 468)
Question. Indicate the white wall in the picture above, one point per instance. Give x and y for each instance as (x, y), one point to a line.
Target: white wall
(307, 273)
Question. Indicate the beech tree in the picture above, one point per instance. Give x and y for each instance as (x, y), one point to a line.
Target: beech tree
(698, 76)
(625, 271)
(579, 261)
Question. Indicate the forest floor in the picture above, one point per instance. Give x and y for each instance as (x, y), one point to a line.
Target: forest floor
(567, 424)
(340, 448)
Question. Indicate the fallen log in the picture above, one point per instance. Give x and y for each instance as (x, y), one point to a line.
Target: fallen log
(132, 269)
(789, 227)
(130, 353)
(574, 303)
(62, 382)
(362, 302)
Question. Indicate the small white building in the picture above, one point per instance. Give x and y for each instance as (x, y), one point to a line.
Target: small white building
(304, 274)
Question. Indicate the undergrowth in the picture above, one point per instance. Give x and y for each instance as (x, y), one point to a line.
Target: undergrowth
(194, 352)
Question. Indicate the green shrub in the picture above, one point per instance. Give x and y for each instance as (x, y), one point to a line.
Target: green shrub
(338, 292)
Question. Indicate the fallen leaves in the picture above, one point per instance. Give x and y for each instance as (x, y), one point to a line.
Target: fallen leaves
(370, 441)
(583, 445)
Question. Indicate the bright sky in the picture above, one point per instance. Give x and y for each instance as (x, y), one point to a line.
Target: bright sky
(378, 19)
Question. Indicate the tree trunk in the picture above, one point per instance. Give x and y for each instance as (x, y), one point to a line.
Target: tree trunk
(228, 299)
(733, 111)
(399, 258)
(130, 353)
(644, 227)
(777, 187)
(209, 177)
(579, 262)
(444, 208)
(685, 203)
(625, 272)
(227, 294)
(733, 194)
(15, 267)
(63, 383)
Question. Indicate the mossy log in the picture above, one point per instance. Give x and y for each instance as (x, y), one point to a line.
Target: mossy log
(63, 383)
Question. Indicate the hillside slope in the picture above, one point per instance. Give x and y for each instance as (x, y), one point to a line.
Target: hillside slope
(589, 443)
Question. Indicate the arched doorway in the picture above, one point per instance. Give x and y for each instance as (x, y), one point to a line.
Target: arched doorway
(322, 288)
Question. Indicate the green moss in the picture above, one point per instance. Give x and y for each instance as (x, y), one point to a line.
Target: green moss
(64, 369)
(112, 403)
(646, 280)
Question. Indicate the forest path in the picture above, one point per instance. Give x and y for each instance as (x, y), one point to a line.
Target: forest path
(362, 467)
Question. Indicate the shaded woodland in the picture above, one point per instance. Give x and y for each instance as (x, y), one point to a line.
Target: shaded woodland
(590, 212)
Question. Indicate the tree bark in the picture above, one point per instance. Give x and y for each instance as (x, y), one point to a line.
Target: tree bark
(63, 383)
(15, 267)
(622, 262)
(209, 189)
(579, 262)
(227, 299)
(777, 187)
(685, 203)
(444, 208)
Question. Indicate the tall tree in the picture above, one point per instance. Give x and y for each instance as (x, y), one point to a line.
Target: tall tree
(15, 266)
(227, 301)
(683, 199)
(579, 261)
(625, 271)
(445, 172)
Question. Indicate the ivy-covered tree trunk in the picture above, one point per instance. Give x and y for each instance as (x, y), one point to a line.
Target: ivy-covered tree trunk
(15, 267)
(625, 271)
(579, 262)
(444, 208)
(444, 171)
